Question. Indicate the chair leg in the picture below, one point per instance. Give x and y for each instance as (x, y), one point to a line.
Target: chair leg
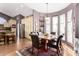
(58, 51)
(4, 41)
(32, 50)
(13, 39)
(38, 52)
(8, 41)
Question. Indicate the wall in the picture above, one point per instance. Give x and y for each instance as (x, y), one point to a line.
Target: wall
(28, 21)
(77, 21)
(76, 16)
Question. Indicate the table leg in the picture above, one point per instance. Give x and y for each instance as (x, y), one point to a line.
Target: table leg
(46, 46)
(7, 40)
(4, 41)
(13, 39)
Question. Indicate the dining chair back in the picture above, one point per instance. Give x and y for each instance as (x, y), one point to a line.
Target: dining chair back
(58, 44)
(35, 43)
(59, 40)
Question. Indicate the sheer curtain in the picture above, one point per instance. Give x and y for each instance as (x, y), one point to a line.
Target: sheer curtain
(62, 25)
(55, 24)
(69, 27)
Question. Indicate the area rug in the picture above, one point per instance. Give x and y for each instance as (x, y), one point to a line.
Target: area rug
(28, 52)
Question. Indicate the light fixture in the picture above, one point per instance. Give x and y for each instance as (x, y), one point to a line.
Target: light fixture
(47, 11)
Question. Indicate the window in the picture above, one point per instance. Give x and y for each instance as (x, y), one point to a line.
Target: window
(62, 25)
(69, 26)
(55, 24)
(47, 22)
(2, 20)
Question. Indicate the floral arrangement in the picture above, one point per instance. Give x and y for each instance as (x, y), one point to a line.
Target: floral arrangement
(46, 34)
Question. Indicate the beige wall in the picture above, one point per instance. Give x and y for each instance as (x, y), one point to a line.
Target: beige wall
(28, 21)
(9, 23)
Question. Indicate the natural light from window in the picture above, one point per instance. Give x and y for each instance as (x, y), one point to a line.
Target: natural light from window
(62, 25)
(69, 27)
(2, 20)
(55, 24)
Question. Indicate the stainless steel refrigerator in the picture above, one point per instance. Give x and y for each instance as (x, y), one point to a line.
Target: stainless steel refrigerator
(22, 30)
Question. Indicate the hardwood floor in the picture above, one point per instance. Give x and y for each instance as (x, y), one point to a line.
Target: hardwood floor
(10, 50)
(68, 51)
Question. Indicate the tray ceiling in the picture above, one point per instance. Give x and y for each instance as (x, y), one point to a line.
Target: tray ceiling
(13, 9)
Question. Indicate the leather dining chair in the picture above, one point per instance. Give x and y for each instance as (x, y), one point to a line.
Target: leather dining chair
(58, 44)
(35, 43)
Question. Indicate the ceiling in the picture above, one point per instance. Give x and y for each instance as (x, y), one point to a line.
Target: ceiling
(47, 7)
(14, 9)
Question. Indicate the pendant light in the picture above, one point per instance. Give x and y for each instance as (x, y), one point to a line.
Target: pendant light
(47, 11)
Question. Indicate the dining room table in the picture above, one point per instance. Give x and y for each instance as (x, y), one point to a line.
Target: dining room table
(45, 40)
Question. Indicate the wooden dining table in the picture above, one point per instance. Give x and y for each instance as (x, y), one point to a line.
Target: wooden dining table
(45, 40)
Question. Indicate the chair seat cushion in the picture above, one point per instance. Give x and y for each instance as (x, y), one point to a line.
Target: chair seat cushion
(53, 46)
